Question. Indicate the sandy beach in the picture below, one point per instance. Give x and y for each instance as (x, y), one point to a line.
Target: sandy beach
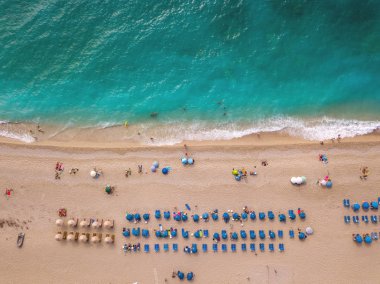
(327, 256)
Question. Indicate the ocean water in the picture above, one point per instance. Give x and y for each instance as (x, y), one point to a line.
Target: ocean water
(222, 68)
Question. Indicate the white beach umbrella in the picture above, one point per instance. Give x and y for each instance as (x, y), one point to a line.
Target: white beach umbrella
(83, 238)
(309, 230)
(293, 180)
(71, 223)
(95, 239)
(299, 180)
(83, 223)
(59, 222)
(70, 237)
(323, 182)
(107, 224)
(95, 224)
(108, 240)
(93, 173)
(58, 237)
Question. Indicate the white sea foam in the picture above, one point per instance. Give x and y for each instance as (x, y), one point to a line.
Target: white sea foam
(310, 129)
(23, 137)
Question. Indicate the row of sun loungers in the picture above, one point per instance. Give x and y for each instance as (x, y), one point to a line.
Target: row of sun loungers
(251, 234)
(226, 216)
(374, 205)
(84, 237)
(215, 248)
(355, 219)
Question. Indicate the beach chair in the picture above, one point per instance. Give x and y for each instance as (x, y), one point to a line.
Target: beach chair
(262, 234)
(347, 219)
(280, 234)
(204, 247)
(205, 233)
(233, 247)
(166, 247)
(272, 234)
(215, 247)
(64, 235)
(194, 248)
(374, 236)
(243, 247)
(292, 216)
(261, 215)
(175, 247)
(374, 219)
(365, 219)
(185, 234)
(224, 248)
(76, 236)
(355, 219)
(346, 202)
(252, 234)
(271, 247)
(252, 247)
(146, 248)
(262, 247)
(100, 237)
(291, 234)
(243, 234)
(270, 215)
(156, 247)
(281, 247)
(224, 234)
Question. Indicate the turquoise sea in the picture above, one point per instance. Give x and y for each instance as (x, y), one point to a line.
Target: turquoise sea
(234, 66)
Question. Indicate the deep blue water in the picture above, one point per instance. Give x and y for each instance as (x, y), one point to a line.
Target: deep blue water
(93, 62)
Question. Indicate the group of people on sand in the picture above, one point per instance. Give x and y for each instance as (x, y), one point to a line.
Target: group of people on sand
(58, 170)
(364, 172)
(131, 247)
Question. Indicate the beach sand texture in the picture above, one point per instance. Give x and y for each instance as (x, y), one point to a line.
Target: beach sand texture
(328, 256)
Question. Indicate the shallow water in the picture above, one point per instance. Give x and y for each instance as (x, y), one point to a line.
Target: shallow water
(232, 65)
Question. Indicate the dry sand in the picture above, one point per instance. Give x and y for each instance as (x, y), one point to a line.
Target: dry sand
(328, 256)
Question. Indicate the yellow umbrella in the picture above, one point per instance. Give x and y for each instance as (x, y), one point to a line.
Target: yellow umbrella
(70, 237)
(95, 224)
(95, 239)
(59, 222)
(83, 223)
(108, 240)
(58, 237)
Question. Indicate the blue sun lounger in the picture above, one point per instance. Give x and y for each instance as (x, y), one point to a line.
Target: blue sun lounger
(215, 247)
(292, 216)
(224, 235)
(355, 219)
(252, 234)
(271, 247)
(374, 219)
(291, 234)
(272, 234)
(205, 233)
(280, 234)
(166, 247)
(146, 248)
(365, 219)
(270, 215)
(262, 234)
(233, 247)
(175, 247)
(281, 247)
(156, 247)
(347, 219)
(243, 247)
(224, 248)
(194, 248)
(204, 247)
(252, 247)
(262, 247)
(346, 202)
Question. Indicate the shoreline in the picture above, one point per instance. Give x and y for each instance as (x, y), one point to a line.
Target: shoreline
(288, 130)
